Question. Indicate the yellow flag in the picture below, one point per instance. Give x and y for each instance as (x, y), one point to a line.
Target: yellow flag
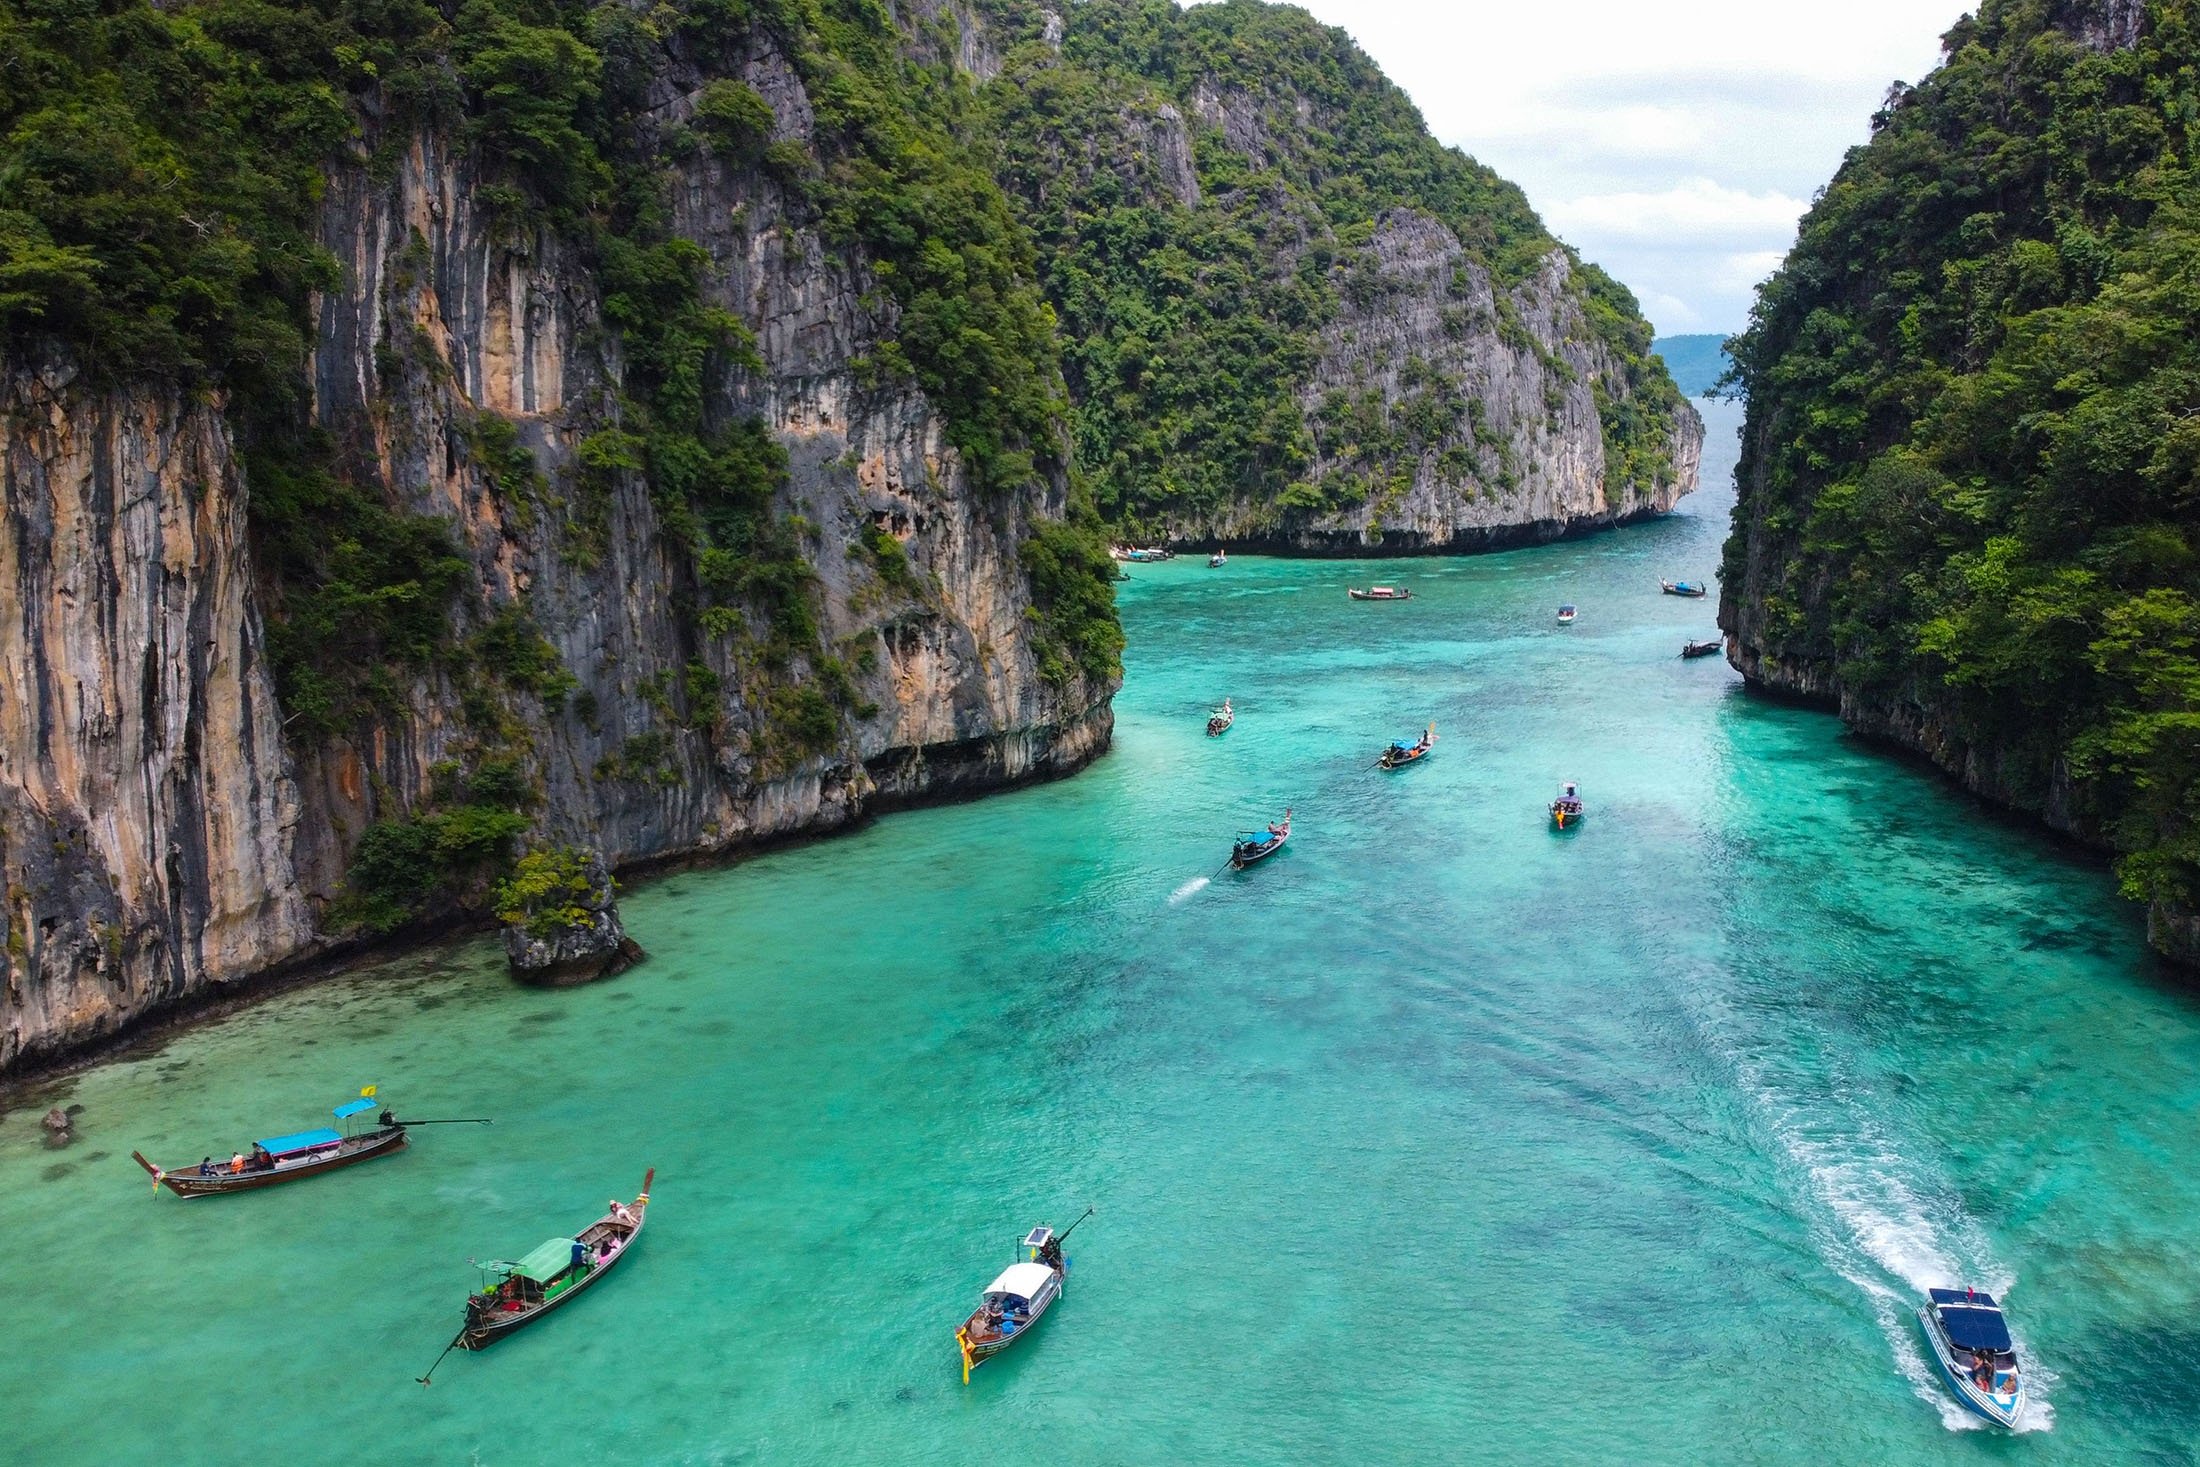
(366, 1092)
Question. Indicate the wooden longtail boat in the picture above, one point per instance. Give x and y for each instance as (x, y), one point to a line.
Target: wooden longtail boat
(1567, 810)
(1219, 721)
(1379, 593)
(1013, 1302)
(1684, 588)
(1218, 560)
(1399, 755)
(1566, 615)
(553, 1274)
(1702, 649)
(1260, 845)
(291, 1158)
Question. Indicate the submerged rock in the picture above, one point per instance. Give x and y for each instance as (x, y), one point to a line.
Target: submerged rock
(561, 920)
(58, 1133)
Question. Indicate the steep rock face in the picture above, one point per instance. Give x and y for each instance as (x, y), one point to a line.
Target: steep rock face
(1537, 468)
(1256, 362)
(160, 835)
(146, 806)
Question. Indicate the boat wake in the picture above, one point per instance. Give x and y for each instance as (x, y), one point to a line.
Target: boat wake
(1893, 1235)
(1189, 890)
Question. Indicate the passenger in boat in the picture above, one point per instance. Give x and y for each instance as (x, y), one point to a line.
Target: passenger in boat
(236, 1163)
(577, 1264)
(261, 1161)
(619, 1214)
(206, 1167)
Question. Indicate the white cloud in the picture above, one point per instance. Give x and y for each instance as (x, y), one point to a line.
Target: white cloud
(1671, 141)
(1698, 211)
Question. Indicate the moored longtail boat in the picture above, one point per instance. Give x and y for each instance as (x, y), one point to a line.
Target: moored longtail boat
(1701, 649)
(291, 1158)
(1218, 560)
(1379, 593)
(1566, 615)
(1400, 753)
(526, 1289)
(1013, 1302)
(1260, 845)
(1567, 810)
(1219, 721)
(1684, 588)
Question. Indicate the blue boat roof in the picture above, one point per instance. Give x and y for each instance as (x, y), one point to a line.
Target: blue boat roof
(300, 1141)
(1973, 1321)
(353, 1107)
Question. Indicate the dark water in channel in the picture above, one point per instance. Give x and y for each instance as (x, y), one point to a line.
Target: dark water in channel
(1439, 1138)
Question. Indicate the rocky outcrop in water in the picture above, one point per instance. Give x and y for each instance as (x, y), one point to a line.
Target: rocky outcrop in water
(577, 940)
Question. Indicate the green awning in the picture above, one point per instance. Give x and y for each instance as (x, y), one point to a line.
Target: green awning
(546, 1262)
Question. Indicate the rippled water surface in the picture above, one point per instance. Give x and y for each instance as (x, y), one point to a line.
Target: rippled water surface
(1439, 1138)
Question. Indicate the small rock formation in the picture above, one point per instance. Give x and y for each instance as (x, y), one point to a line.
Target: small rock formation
(567, 930)
(58, 1133)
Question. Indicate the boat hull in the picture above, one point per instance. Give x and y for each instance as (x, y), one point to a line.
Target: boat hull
(480, 1334)
(1968, 1394)
(984, 1349)
(188, 1182)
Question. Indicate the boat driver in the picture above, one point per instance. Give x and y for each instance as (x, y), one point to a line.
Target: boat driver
(1050, 1254)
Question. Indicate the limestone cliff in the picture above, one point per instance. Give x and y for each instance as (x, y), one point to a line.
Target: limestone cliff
(1296, 322)
(168, 825)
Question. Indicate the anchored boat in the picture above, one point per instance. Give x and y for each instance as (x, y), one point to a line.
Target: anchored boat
(1567, 810)
(291, 1158)
(1684, 588)
(1013, 1302)
(1218, 560)
(1219, 721)
(1701, 649)
(1400, 753)
(1566, 615)
(1260, 845)
(1971, 1341)
(1379, 593)
(515, 1293)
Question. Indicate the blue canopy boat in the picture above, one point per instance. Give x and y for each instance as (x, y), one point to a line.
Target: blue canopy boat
(1400, 753)
(1684, 588)
(279, 1159)
(1567, 810)
(1971, 1341)
(1013, 1302)
(1260, 845)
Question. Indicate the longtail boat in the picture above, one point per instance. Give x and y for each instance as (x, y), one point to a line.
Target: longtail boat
(1013, 1302)
(1260, 845)
(1401, 753)
(1701, 649)
(301, 1154)
(1567, 810)
(1566, 615)
(1219, 721)
(1684, 588)
(1218, 560)
(515, 1293)
(1379, 593)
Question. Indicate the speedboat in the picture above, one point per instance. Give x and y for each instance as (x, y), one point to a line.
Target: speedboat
(1566, 615)
(1971, 1341)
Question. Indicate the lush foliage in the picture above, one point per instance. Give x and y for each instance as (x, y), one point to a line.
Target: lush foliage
(1974, 397)
(1193, 289)
(550, 892)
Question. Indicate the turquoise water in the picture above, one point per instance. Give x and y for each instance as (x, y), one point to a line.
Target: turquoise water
(1438, 1138)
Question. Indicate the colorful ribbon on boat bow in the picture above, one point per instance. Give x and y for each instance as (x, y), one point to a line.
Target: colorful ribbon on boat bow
(962, 1340)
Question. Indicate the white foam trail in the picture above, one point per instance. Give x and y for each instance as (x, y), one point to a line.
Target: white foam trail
(1189, 890)
(1875, 1225)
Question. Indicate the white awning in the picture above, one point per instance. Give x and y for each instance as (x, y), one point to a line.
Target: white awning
(1024, 1280)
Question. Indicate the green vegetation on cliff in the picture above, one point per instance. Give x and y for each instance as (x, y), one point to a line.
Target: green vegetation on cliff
(1972, 472)
(1204, 186)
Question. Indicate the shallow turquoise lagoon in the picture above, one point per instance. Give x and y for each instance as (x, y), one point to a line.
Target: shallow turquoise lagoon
(1439, 1138)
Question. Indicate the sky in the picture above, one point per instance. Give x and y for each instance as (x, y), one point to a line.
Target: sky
(1674, 142)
